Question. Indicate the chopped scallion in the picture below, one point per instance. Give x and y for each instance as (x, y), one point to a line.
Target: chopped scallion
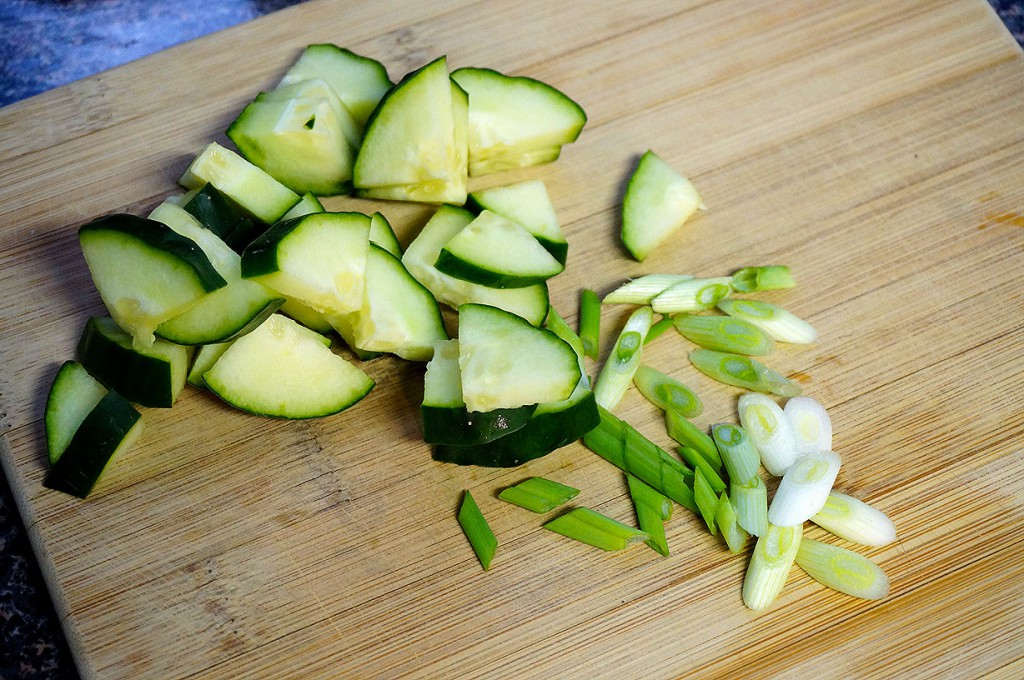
(642, 290)
(738, 452)
(658, 328)
(777, 322)
(770, 277)
(855, 521)
(590, 323)
(742, 371)
(804, 489)
(707, 501)
(724, 333)
(688, 434)
(477, 530)
(692, 295)
(769, 429)
(593, 528)
(725, 517)
(617, 372)
(652, 509)
(843, 570)
(667, 393)
(812, 427)
(770, 564)
(751, 503)
(698, 462)
(538, 494)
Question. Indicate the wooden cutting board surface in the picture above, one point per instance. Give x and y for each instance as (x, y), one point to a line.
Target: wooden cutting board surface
(877, 148)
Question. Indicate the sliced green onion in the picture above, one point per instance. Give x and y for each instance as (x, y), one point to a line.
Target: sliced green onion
(621, 445)
(770, 564)
(698, 462)
(804, 489)
(741, 371)
(590, 323)
(855, 521)
(725, 517)
(593, 528)
(724, 333)
(538, 494)
(688, 434)
(667, 393)
(617, 372)
(769, 429)
(738, 452)
(770, 277)
(751, 503)
(477, 530)
(693, 295)
(812, 428)
(777, 322)
(843, 570)
(707, 501)
(652, 509)
(658, 328)
(641, 291)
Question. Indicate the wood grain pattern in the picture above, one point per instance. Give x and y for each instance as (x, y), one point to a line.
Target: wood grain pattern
(875, 147)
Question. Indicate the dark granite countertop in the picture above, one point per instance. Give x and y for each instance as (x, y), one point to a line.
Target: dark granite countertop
(45, 44)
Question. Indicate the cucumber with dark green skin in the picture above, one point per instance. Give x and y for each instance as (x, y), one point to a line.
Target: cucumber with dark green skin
(219, 214)
(526, 203)
(153, 376)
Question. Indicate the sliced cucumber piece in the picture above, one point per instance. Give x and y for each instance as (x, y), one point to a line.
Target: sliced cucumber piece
(145, 272)
(319, 259)
(87, 426)
(227, 312)
(506, 362)
(360, 82)
(284, 370)
(301, 135)
(306, 315)
(204, 359)
(307, 205)
(530, 302)
(383, 235)
(495, 251)
(657, 202)
(151, 376)
(515, 122)
(250, 188)
(445, 417)
(218, 214)
(529, 204)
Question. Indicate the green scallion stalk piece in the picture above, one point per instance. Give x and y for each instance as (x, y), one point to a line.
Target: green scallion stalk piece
(769, 277)
(738, 452)
(617, 372)
(693, 295)
(706, 499)
(770, 429)
(734, 535)
(742, 371)
(698, 462)
(557, 325)
(751, 503)
(590, 323)
(538, 494)
(804, 488)
(777, 322)
(593, 528)
(477, 530)
(667, 393)
(843, 570)
(724, 333)
(658, 328)
(688, 434)
(652, 510)
(855, 521)
(642, 290)
(769, 566)
(621, 445)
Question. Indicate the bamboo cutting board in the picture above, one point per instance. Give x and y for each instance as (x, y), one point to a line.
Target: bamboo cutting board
(877, 148)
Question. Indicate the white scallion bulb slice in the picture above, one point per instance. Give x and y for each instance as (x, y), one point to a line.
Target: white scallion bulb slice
(693, 295)
(804, 489)
(855, 521)
(777, 322)
(812, 426)
(620, 366)
(751, 503)
(843, 570)
(770, 430)
(770, 564)
(642, 290)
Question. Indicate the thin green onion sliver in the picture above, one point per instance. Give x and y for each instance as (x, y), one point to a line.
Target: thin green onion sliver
(641, 290)
(557, 325)
(843, 570)
(617, 372)
(768, 277)
(698, 462)
(658, 328)
(706, 499)
(770, 564)
(538, 494)
(774, 320)
(854, 520)
(593, 528)
(590, 323)
(666, 392)
(477, 530)
(688, 434)
(734, 535)
(652, 509)
(724, 333)
(693, 295)
(751, 503)
(739, 454)
(742, 371)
